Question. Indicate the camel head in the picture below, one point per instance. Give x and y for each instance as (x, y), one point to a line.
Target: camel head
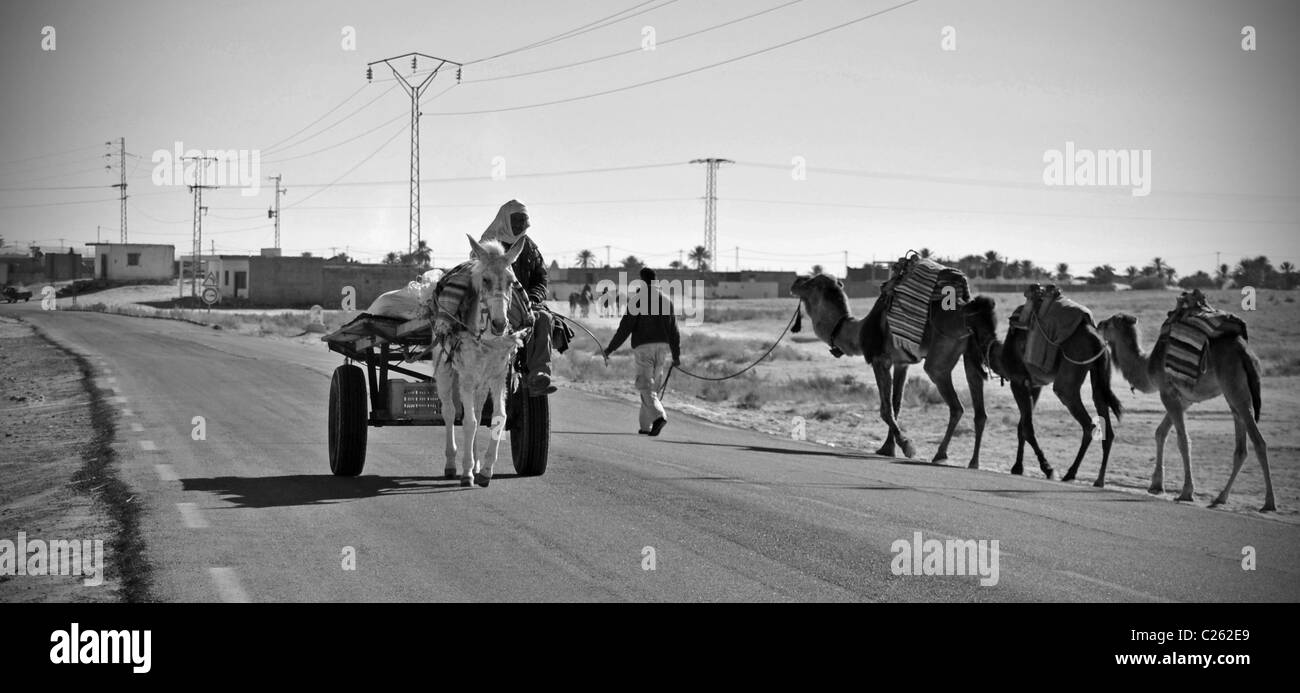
(1119, 328)
(820, 292)
(982, 320)
(494, 279)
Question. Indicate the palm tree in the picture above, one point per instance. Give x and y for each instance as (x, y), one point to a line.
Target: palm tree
(632, 262)
(1063, 272)
(1223, 275)
(1158, 264)
(422, 254)
(676, 264)
(1131, 273)
(586, 259)
(392, 259)
(925, 252)
(700, 256)
(1288, 269)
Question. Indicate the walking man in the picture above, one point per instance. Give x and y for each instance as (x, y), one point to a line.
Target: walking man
(652, 323)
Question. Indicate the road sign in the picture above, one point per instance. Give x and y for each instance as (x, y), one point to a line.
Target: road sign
(211, 279)
(210, 295)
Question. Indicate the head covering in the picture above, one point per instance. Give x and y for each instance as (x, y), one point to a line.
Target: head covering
(500, 229)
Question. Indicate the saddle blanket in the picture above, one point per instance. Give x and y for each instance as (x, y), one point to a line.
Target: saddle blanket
(1048, 327)
(909, 306)
(1186, 338)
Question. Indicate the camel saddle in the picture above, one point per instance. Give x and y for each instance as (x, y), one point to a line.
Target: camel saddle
(1048, 319)
(915, 284)
(1186, 333)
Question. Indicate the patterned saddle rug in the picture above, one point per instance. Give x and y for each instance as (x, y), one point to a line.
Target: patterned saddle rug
(1186, 336)
(919, 283)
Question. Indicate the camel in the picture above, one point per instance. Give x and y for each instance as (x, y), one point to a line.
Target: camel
(1233, 372)
(1081, 355)
(470, 365)
(947, 338)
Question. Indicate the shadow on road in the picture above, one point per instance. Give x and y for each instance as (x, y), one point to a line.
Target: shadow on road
(842, 454)
(313, 489)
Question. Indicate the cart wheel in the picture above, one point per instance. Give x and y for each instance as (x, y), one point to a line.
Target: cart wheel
(530, 436)
(347, 421)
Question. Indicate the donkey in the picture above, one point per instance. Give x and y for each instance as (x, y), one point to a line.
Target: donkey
(473, 349)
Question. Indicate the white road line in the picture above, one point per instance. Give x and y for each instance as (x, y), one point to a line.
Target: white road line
(166, 472)
(148, 445)
(1118, 588)
(228, 586)
(136, 428)
(193, 518)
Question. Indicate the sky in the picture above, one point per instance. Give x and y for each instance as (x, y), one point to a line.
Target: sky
(902, 144)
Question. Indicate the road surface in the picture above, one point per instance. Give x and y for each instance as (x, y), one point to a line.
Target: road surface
(252, 513)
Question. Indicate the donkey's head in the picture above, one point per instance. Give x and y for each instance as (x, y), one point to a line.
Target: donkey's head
(493, 279)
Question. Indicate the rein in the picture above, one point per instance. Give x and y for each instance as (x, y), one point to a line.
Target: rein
(1039, 328)
(794, 318)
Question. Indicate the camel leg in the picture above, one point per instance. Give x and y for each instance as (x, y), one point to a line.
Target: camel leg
(975, 381)
(446, 383)
(1238, 457)
(1261, 451)
(1026, 398)
(885, 385)
(1103, 407)
(1067, 390)
(495, 434)
(1158, 474)
(1175, 409)
(943, 381)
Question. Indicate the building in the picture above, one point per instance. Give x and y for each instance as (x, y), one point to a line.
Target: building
(134, 261)
(230, 272)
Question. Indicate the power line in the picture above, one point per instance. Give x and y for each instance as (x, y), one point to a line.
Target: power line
(571, 33)
(936, 210)
(633, 50)
(692, 71)
(364, 106)
(350, 170)
(323, 116)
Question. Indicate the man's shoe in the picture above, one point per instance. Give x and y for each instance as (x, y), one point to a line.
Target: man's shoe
(539, 384)
(658, 426)
(644, 432)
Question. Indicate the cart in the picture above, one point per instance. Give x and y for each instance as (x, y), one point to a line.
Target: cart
(363, 394)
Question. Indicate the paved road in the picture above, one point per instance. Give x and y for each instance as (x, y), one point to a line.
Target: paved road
(252, 512)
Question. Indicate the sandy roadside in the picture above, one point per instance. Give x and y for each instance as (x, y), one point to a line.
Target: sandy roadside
(59, 482)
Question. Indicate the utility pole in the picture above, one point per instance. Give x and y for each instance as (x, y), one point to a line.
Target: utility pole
(121, 184)
(275, 213)
(414, 91)
(681, 258)
(737, 258)
(846, 265)
(196, 261)
(607, 256)
(711, 203)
